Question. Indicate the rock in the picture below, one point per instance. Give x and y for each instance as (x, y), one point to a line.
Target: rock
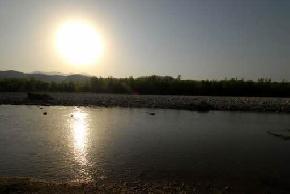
(39, 97)
(203, 106)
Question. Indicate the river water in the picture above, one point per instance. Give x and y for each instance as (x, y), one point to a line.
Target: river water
(87, 144)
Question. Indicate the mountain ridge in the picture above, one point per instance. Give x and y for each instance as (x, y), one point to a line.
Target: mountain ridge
(43, 76)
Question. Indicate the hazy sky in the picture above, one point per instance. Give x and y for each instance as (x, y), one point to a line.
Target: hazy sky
(198, 39)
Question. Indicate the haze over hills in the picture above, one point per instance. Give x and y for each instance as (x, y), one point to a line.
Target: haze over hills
(44, 76)
(48, 73)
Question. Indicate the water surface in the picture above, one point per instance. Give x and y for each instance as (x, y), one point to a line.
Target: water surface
(71, 144)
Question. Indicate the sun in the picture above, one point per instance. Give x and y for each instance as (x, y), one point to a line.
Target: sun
(79, 43)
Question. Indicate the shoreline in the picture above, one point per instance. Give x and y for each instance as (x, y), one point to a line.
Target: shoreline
(195, 103)
(200, 185)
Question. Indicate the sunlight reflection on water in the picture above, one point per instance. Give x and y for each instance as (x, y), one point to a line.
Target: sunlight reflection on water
(80, 129)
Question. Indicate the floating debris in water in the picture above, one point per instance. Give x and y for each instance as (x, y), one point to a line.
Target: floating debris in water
(283, 134)
(45, 113)
(151, 113)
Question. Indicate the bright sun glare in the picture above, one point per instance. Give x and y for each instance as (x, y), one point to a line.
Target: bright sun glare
(79, 43)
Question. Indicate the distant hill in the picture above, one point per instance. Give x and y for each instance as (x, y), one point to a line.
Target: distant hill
(77, 77)
(11, 74)
(47, 78)
(43, 76)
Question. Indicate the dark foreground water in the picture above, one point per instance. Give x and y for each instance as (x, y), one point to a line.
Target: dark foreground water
(83, 144)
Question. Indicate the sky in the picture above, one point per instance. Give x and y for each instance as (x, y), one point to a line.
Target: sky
(197, 39)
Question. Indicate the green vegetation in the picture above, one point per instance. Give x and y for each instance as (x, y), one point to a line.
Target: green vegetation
(158, 85)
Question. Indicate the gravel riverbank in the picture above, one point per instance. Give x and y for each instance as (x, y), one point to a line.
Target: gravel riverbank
(202, 103)
(28, 185)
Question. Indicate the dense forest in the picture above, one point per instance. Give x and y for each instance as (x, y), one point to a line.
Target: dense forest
(159, 85)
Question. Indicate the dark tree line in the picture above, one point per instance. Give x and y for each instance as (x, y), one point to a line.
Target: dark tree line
(161, 85)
